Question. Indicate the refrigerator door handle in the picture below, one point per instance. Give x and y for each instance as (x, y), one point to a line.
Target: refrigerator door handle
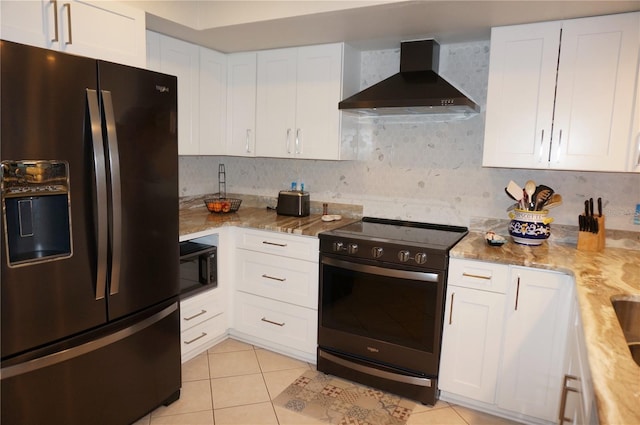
(116, 193)
(101, 192)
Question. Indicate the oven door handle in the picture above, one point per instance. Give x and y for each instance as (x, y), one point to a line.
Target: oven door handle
(382, 271)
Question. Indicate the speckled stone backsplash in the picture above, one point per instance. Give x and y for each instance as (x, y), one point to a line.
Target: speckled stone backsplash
(418, 168)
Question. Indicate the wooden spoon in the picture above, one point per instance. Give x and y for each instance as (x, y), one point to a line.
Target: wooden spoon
(530, 189)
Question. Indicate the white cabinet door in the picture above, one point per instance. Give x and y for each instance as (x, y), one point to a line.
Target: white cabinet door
(597, 75)
(181, 59)
(535, 334)
(213, 102)
(297, 102)
(317, 96)
(30, 22)
(522, 78)
(241, 104)
(471, 343)
(104, 30)
(276, 103)
(565, 104)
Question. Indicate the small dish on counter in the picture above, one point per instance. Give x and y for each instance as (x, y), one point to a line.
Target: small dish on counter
(331, 217)
(494, 239)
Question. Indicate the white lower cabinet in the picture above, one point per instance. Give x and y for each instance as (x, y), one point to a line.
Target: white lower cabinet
(474, 313)
(504, 339)
(535, 334)
(202, 322)
(274, 323)
(276, 292)
(577, 398)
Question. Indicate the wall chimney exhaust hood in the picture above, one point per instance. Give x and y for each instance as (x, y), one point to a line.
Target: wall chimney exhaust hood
(416, 89)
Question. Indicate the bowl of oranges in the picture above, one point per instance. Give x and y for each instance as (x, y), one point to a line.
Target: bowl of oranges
(222, 205)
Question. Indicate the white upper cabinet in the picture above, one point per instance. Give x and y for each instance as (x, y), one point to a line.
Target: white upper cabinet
(179, 58)
(289, 87)
(241, 104)
(104, 30)
(561, 94)
(202, 87)
(213, 102)
(276, 103)
(297, 102)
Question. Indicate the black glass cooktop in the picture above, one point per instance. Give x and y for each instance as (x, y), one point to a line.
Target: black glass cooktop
(437, 236)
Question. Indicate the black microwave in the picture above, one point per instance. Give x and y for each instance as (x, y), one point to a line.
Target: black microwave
(198, 267)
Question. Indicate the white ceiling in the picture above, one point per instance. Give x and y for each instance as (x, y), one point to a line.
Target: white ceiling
(232, 26)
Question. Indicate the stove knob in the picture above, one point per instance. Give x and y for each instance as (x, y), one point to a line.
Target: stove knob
(421, 258)
(352, 248)
(403, 256)
(338, 246)
(377, 252)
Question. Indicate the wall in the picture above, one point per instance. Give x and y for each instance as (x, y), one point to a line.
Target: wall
(418, 169)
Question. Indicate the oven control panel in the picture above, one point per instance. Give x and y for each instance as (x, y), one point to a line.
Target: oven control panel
(389, 253)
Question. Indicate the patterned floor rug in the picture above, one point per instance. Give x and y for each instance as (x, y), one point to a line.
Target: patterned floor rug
(340, 402)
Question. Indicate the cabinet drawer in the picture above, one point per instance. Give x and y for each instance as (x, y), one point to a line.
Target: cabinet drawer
(201, 307)
(478, 275)
(283, 279)
(301, 247)
(198, 338)
(278, 322)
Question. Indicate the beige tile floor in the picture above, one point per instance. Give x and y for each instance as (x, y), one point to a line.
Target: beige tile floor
(234, 383)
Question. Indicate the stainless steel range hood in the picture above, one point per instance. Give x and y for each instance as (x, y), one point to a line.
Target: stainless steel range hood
(416, 89)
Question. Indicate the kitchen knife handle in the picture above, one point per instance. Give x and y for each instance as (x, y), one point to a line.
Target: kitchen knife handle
(116, 190)
(68, 6)
(101, 193)
(600, 207)
(55, 21)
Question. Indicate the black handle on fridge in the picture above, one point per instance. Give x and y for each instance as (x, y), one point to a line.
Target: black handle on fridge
(101, 192)
(116, 192)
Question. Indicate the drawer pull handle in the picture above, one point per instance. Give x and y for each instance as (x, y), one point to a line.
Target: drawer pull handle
(195, 315)
(566, 389)
(202, 335)
(453, 294)
(517, 293)
(279, 279)
(275, 244)
(476, 276)
(264, 319)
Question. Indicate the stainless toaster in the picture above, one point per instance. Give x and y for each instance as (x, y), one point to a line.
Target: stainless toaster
(295, 203)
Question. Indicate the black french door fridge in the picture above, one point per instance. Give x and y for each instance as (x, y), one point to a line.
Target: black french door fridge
(89, 252)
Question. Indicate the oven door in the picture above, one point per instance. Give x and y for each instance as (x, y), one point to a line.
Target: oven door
(390, 315)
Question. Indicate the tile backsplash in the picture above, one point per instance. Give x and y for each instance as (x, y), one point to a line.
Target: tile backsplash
(420, 168)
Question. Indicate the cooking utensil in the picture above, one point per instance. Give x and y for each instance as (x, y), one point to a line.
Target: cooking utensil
(530, 189)
(514, 190)
(554, 201)
(542, 195)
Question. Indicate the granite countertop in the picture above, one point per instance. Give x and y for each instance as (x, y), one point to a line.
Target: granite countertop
(253, 213)
(598, 276)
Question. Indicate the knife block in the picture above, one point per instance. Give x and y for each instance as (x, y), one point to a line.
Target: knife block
(594, 242)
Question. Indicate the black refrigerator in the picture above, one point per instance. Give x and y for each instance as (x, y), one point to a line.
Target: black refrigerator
(89, 287)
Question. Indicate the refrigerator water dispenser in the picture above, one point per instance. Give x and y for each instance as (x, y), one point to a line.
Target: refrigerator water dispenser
(35, 209)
